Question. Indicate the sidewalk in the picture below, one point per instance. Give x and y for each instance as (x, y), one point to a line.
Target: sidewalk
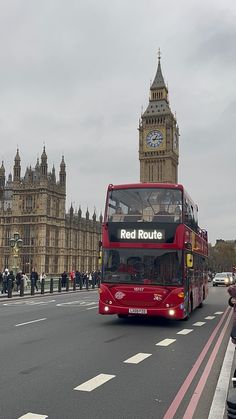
(224, 384)
(27, 293)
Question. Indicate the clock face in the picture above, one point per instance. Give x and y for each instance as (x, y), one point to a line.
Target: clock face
(154, 138)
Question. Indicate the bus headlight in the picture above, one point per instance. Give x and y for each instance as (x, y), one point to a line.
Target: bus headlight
(106, 308)
(171, 312)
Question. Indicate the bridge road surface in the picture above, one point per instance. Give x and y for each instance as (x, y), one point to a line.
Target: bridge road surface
(61, 360)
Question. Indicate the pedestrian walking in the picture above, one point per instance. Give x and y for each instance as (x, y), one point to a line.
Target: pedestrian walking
(72, 276)
(10, 281)
(26, 280)
(5, 277)
(42, 276)
(90, 279)
(77, 278)
(18, 280)
(34, 279)
(63, 279)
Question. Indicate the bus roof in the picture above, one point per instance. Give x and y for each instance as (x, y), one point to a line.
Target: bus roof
(145, 185)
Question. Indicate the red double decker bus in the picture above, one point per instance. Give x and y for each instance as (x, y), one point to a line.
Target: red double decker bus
(154, 255)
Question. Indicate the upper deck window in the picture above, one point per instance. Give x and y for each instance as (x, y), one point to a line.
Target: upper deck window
(151, 204)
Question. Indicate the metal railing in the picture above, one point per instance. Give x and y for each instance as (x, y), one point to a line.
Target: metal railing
(48, 285)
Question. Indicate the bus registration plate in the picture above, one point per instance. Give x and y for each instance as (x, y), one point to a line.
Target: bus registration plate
(137, 311)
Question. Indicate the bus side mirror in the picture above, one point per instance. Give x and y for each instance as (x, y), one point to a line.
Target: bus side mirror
(189, 260)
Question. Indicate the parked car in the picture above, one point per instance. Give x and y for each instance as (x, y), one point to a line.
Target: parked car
(223, 278)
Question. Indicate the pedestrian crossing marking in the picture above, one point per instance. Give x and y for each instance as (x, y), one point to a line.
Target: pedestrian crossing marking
(219, 312)
(94, 382)
(210, 317)
(199, 323)
(165, 342)
(137, 358)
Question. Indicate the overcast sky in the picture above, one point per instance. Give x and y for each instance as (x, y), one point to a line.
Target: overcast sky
(75, 74)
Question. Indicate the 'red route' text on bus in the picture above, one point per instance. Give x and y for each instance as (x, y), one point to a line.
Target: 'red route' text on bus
(154, 254)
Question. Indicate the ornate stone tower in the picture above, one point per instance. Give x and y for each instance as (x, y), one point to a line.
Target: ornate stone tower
(158, 136)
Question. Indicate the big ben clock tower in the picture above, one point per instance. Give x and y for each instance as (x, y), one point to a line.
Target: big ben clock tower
(158, 136)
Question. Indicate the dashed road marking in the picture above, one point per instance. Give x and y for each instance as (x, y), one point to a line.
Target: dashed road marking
(91, 308)
(137, 358)
(219, 312)
(210, 317)
(35, 303)
(165, 342)
(76, 303)
(33, 416)
(68, 303)
(28, 302)
(199, 323)
(94, 382)
(30, 322)
(184, 332)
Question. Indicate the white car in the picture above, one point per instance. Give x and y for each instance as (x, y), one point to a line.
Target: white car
(223, 278)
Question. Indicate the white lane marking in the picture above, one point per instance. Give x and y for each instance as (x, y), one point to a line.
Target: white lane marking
(39, 302)
(32, 321)
(67, 303)
(219, 312)
(199, 323)
(76, 302)
(165, 342)
(210, 317)
(91, 308)
(218, 402)
(32, 416)
(28, 302)
(184, 332)
(16, 303)
(137, 358)
(94, 382)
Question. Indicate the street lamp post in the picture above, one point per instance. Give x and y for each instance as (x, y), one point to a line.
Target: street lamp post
(16, 244)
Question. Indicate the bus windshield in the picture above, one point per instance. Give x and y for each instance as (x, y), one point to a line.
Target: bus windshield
(145, 204)
(143, 266)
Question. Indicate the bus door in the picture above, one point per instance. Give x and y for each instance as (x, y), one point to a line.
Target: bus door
(189, 277)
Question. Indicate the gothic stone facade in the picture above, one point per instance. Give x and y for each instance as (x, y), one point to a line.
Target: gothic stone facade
(35, 206)
(158, 136)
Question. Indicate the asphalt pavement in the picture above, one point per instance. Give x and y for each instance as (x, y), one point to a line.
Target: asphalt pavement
(60, 359)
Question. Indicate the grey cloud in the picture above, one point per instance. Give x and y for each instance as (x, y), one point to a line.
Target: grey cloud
(74, 75)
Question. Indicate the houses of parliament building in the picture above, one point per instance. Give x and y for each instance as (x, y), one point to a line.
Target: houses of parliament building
(34, 205)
